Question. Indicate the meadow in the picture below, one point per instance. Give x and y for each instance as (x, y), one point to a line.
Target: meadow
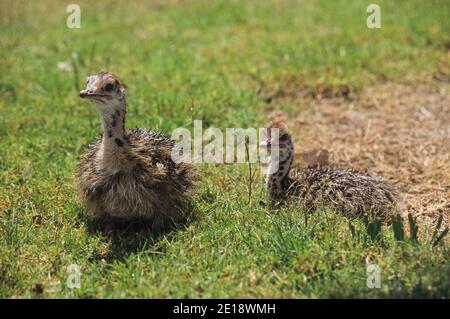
(206, 60)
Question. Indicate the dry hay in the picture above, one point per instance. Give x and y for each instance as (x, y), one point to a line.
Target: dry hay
(399, 131)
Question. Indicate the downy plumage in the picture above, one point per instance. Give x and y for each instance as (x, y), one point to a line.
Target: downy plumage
(344, 190)
(129, 174)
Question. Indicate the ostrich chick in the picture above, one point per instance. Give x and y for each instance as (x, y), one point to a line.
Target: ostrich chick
(346, 191)
(129, 175)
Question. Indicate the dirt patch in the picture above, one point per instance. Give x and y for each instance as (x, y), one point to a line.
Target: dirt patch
(294, 90)
(399, 131)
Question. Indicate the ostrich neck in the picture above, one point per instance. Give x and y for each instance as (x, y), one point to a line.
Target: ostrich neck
(113, 125)
(277, 178)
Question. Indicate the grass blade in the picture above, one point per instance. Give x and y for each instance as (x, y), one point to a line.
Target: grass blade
(436, 229)
(413, 229)
(440, 237)
(397, 226)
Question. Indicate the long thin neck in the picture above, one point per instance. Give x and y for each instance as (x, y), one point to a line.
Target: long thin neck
(113, 125)
(277, 177)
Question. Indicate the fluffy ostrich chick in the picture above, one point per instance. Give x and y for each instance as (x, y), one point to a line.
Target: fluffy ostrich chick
(129, 175)
(346, 191)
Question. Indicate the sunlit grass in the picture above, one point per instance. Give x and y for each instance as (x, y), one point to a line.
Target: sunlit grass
(185, 60)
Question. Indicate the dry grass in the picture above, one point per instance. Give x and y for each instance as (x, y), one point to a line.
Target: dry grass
(399, 131)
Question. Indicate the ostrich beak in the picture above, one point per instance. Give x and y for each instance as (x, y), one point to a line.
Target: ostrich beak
(90, 94)
(84, 94)
(265, 144)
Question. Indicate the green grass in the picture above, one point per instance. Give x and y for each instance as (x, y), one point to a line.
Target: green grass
(198, 60)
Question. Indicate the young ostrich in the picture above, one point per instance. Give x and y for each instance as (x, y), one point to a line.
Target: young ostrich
(129, 174)
(344, 190)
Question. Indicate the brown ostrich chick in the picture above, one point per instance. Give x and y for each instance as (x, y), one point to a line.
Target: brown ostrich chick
(129, 175)
(346, 191)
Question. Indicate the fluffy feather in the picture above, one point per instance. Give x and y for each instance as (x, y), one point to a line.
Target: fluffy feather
(130, 174)
(347, 191)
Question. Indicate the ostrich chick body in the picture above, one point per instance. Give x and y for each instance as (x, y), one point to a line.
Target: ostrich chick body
(346, 191)
(130, 174)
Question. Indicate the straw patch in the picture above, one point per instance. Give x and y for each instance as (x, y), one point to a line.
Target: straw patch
(399, 131)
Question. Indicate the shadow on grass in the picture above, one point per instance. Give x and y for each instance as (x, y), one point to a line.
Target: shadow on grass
(132, 236)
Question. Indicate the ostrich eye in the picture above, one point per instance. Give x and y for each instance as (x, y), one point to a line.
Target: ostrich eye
(284, 138)
(109, 87)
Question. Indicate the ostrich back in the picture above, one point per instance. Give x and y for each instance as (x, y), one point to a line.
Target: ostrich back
(344, 190)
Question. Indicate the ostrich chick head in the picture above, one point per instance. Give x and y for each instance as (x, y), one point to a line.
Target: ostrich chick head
(281, 140)
(106, 91)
